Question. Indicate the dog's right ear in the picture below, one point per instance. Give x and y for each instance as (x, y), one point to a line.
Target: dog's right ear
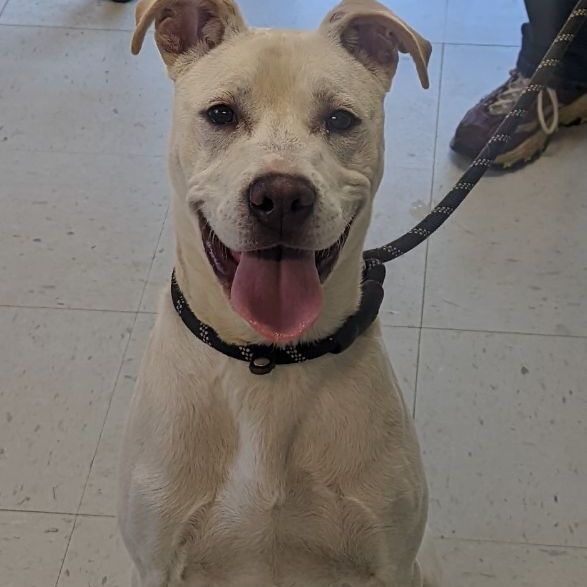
(186, 26)
(374, 35)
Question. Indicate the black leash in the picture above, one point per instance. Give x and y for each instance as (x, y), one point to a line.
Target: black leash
(492, 149)
(263, 358)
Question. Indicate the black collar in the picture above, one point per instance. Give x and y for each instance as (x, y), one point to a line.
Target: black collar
(263, 358)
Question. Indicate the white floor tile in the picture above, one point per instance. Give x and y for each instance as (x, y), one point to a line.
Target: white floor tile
(94, 14)
(161, 270)
(513, 257)
(288, 14)
(410, 116)
(78, 230)
(485, 23)
(32, 547)
(402, 347)
(58, 371)
(101, 491)
(96, 556)
(486, 564)
(81, 91)
(502, 422)
(400, 203)
(425, 16)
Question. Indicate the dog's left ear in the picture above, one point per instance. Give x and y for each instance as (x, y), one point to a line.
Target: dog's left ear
(373, 34)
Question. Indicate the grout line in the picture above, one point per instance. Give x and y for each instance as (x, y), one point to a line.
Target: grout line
(75, 309)
(109, 154)
(383, 324)
(497, 45)
(509, 543)
(130, 30)
(430, 201)
(417, 376)
(72, 308)
(54, 513)
(512, 332)
(481, 331)
(445, 21)
(142, 298)
(436, 537)
(61, 26)
(66, 551)
(4, 7)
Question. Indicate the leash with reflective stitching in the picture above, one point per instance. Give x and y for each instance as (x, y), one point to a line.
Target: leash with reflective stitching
(494, 147)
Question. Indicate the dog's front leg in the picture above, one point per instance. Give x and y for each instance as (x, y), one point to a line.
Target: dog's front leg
(429, 562)
(136, 579)
(147, 535)
(150, 580)
(425, 571)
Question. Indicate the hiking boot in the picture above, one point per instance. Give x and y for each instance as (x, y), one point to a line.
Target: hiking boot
(553, 109)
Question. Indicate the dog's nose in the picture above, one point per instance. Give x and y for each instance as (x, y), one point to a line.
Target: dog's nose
(278, 199)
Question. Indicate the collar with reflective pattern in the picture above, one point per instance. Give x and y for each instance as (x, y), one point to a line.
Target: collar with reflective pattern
(262, 359)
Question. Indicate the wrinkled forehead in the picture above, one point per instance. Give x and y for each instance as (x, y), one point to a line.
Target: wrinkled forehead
(279, 70)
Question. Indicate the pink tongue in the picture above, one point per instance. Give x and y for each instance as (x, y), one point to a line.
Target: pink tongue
(279, 298)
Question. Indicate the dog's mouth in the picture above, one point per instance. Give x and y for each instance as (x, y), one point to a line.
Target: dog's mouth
(277, 290)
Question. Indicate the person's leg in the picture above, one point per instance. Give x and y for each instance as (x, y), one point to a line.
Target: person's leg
(564, 104)
(546, 18)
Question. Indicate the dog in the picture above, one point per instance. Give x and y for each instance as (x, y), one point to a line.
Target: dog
(311, 475)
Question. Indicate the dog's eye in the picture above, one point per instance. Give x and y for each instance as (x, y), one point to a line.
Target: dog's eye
(221, 115)
(341, 120)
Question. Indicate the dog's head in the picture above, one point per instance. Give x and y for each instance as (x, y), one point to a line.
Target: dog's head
(277, 147)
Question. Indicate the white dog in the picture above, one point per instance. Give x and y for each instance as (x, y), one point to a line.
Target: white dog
(309, 476)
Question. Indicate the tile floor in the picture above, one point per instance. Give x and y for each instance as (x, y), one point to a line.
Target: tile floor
(487, 324)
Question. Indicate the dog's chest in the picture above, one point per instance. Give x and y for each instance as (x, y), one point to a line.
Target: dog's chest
(274, 517)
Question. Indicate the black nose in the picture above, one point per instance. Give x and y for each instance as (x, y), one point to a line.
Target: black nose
(281, 201)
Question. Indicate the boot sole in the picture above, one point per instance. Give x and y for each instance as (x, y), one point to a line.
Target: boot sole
(532, 148)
